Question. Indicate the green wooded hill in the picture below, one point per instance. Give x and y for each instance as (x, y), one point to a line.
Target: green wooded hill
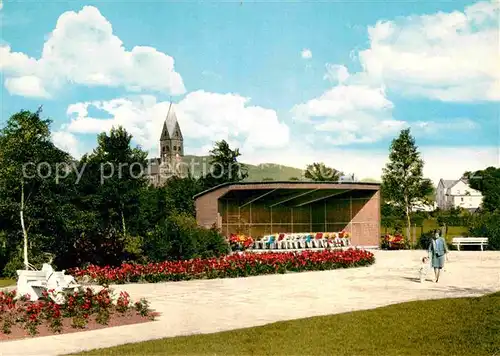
(264, 171)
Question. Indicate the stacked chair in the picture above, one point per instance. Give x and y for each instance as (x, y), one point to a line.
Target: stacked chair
(284, 241)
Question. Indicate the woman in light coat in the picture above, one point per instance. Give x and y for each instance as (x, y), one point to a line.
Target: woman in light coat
(437, 253)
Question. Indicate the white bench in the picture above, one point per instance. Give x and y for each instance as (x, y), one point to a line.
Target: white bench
(470, 241)
(32, 283)
(35, 283)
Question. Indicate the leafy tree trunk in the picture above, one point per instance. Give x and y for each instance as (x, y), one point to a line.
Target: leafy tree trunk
(123, 222)
(408, 221)
(25, 233)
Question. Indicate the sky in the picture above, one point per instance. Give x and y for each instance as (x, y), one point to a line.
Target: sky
(285, 82)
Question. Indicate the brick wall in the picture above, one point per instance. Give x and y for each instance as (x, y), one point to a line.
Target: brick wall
(366, 223)
(207, 207)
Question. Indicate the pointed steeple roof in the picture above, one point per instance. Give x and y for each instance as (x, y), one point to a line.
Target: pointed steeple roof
(171, 125)
(164, 132)
(171, 120)
(177, 131)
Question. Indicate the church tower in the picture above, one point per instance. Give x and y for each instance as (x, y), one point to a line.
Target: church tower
(171, 143)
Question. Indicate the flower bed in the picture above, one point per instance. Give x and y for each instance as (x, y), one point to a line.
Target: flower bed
(393, 242)
(237, 265)
(240, 242)
(84, 309)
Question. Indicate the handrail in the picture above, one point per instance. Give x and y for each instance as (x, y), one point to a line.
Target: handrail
(470, 238)
(31, 267)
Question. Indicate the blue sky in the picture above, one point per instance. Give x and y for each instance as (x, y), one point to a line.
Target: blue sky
(287, 82)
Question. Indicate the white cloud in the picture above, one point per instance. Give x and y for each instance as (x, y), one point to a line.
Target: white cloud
(351, 114)
(416, 55)
(343, 99)
(446, 56)
(142, 116)
(336, 73)
(440, 162)
(362, 113)
(82, 49)
(67, 141)
(306, 53)
(225, 116)
(434, 127)
(452, 162)
(202, 116)
(29, 86)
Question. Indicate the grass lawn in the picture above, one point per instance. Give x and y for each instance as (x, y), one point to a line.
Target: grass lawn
(462, 326)
(5, 282)
(431, 224)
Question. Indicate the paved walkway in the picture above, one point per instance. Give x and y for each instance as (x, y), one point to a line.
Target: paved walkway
(208, 306)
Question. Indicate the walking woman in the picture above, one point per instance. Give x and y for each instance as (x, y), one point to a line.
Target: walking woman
(437, 252)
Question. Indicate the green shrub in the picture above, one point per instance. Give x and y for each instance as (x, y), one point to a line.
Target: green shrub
(179, 237)
(212, 243)
(454, 217)
(169, 241)
(384, 244)
(16, 262)
(132, 249)
(106, 246)
(487, 224)
(156, 245)
(425, 239)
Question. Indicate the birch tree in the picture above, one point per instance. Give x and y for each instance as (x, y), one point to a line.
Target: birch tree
(28, 163)
(403, 184)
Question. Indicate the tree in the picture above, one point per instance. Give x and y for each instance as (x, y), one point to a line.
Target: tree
(403, 184)
(391, 216)
(30, 166)
(224, 166)
(319, 172)
(487, 224)
(106, 202)
(487, 181)
(154, 208)
(179, 195)
(120, 177)
(454, 217)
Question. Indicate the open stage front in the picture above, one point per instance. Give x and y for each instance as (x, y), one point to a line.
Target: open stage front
(264, 208)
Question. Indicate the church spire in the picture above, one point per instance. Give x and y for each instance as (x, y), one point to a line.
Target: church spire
(177, 131)
(171, 121)
(166, 131)
(171, 142)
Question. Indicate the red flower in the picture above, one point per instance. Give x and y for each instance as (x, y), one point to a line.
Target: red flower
(228, 266)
